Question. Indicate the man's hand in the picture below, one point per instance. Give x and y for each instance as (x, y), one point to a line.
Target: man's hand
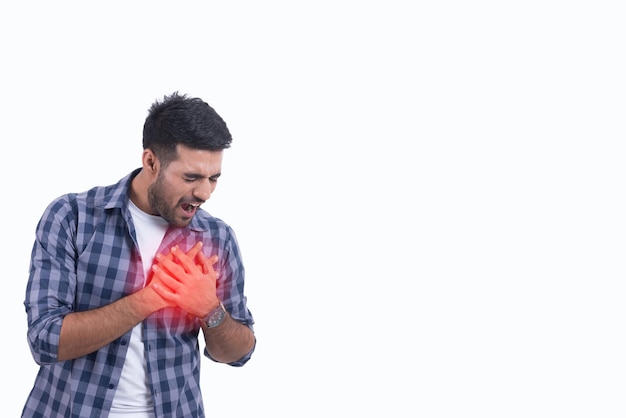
(186, 280)
(153, 284)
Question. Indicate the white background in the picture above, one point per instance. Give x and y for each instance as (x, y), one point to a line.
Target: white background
(429, 196)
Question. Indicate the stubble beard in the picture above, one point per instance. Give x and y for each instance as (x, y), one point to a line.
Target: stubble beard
(159, 205)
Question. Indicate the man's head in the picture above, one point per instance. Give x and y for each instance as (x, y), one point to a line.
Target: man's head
(183, 140)
(179, 119)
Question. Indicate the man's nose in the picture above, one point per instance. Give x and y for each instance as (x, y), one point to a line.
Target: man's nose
(203, 191)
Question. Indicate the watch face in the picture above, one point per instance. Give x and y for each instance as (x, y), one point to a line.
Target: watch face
(216, 318)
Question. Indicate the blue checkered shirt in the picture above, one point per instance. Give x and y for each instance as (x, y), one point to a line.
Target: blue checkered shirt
(85, 256)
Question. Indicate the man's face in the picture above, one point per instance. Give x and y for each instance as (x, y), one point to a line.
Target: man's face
(186, 183)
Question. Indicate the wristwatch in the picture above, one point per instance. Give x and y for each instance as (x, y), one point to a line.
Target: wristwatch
(215, 317)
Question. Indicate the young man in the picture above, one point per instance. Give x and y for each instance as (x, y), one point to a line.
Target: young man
(122, 279)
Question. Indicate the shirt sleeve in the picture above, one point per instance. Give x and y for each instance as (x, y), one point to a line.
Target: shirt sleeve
(52, 278)
(230, 289)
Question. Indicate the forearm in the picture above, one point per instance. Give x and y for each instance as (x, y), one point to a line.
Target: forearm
(229, 341)
(85, 332)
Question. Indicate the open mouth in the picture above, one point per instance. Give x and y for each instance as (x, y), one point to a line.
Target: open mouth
(190, 207)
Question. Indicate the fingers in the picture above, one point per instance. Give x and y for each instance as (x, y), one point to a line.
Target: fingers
(195, 250)
(168, 264)
(164, 280)
(184, 259)
(191, 253)
(165, 286)
(166, 294)
(207, 263)
(179, 264)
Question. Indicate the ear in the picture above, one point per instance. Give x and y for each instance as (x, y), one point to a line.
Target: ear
(150, 161)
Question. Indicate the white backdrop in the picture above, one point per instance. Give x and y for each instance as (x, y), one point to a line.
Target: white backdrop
(429, 196)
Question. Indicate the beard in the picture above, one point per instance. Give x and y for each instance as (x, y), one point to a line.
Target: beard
(158, 203)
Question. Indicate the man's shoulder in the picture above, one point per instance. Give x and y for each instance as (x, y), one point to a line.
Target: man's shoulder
(204, 220)
(96, 198)
(113, 195)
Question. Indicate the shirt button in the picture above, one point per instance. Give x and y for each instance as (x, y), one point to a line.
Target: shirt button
(123, 343)
(111, 386)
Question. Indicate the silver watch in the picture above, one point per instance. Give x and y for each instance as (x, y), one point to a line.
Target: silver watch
(215, 317)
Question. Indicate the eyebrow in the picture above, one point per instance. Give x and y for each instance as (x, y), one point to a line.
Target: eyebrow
(198, 175)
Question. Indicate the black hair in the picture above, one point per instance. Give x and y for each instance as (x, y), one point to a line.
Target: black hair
(189, 121)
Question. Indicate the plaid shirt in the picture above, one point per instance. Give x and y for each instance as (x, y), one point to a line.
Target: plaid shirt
(85, 256)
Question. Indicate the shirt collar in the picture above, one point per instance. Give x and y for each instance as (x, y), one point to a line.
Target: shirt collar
(118, 194)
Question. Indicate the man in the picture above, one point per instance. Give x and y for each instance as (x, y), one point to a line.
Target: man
(123, 277)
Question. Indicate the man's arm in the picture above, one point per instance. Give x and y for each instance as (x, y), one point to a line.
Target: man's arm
(229, 341)
(85, 332)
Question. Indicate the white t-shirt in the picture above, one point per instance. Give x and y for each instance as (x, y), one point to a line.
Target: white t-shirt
(132, 397)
